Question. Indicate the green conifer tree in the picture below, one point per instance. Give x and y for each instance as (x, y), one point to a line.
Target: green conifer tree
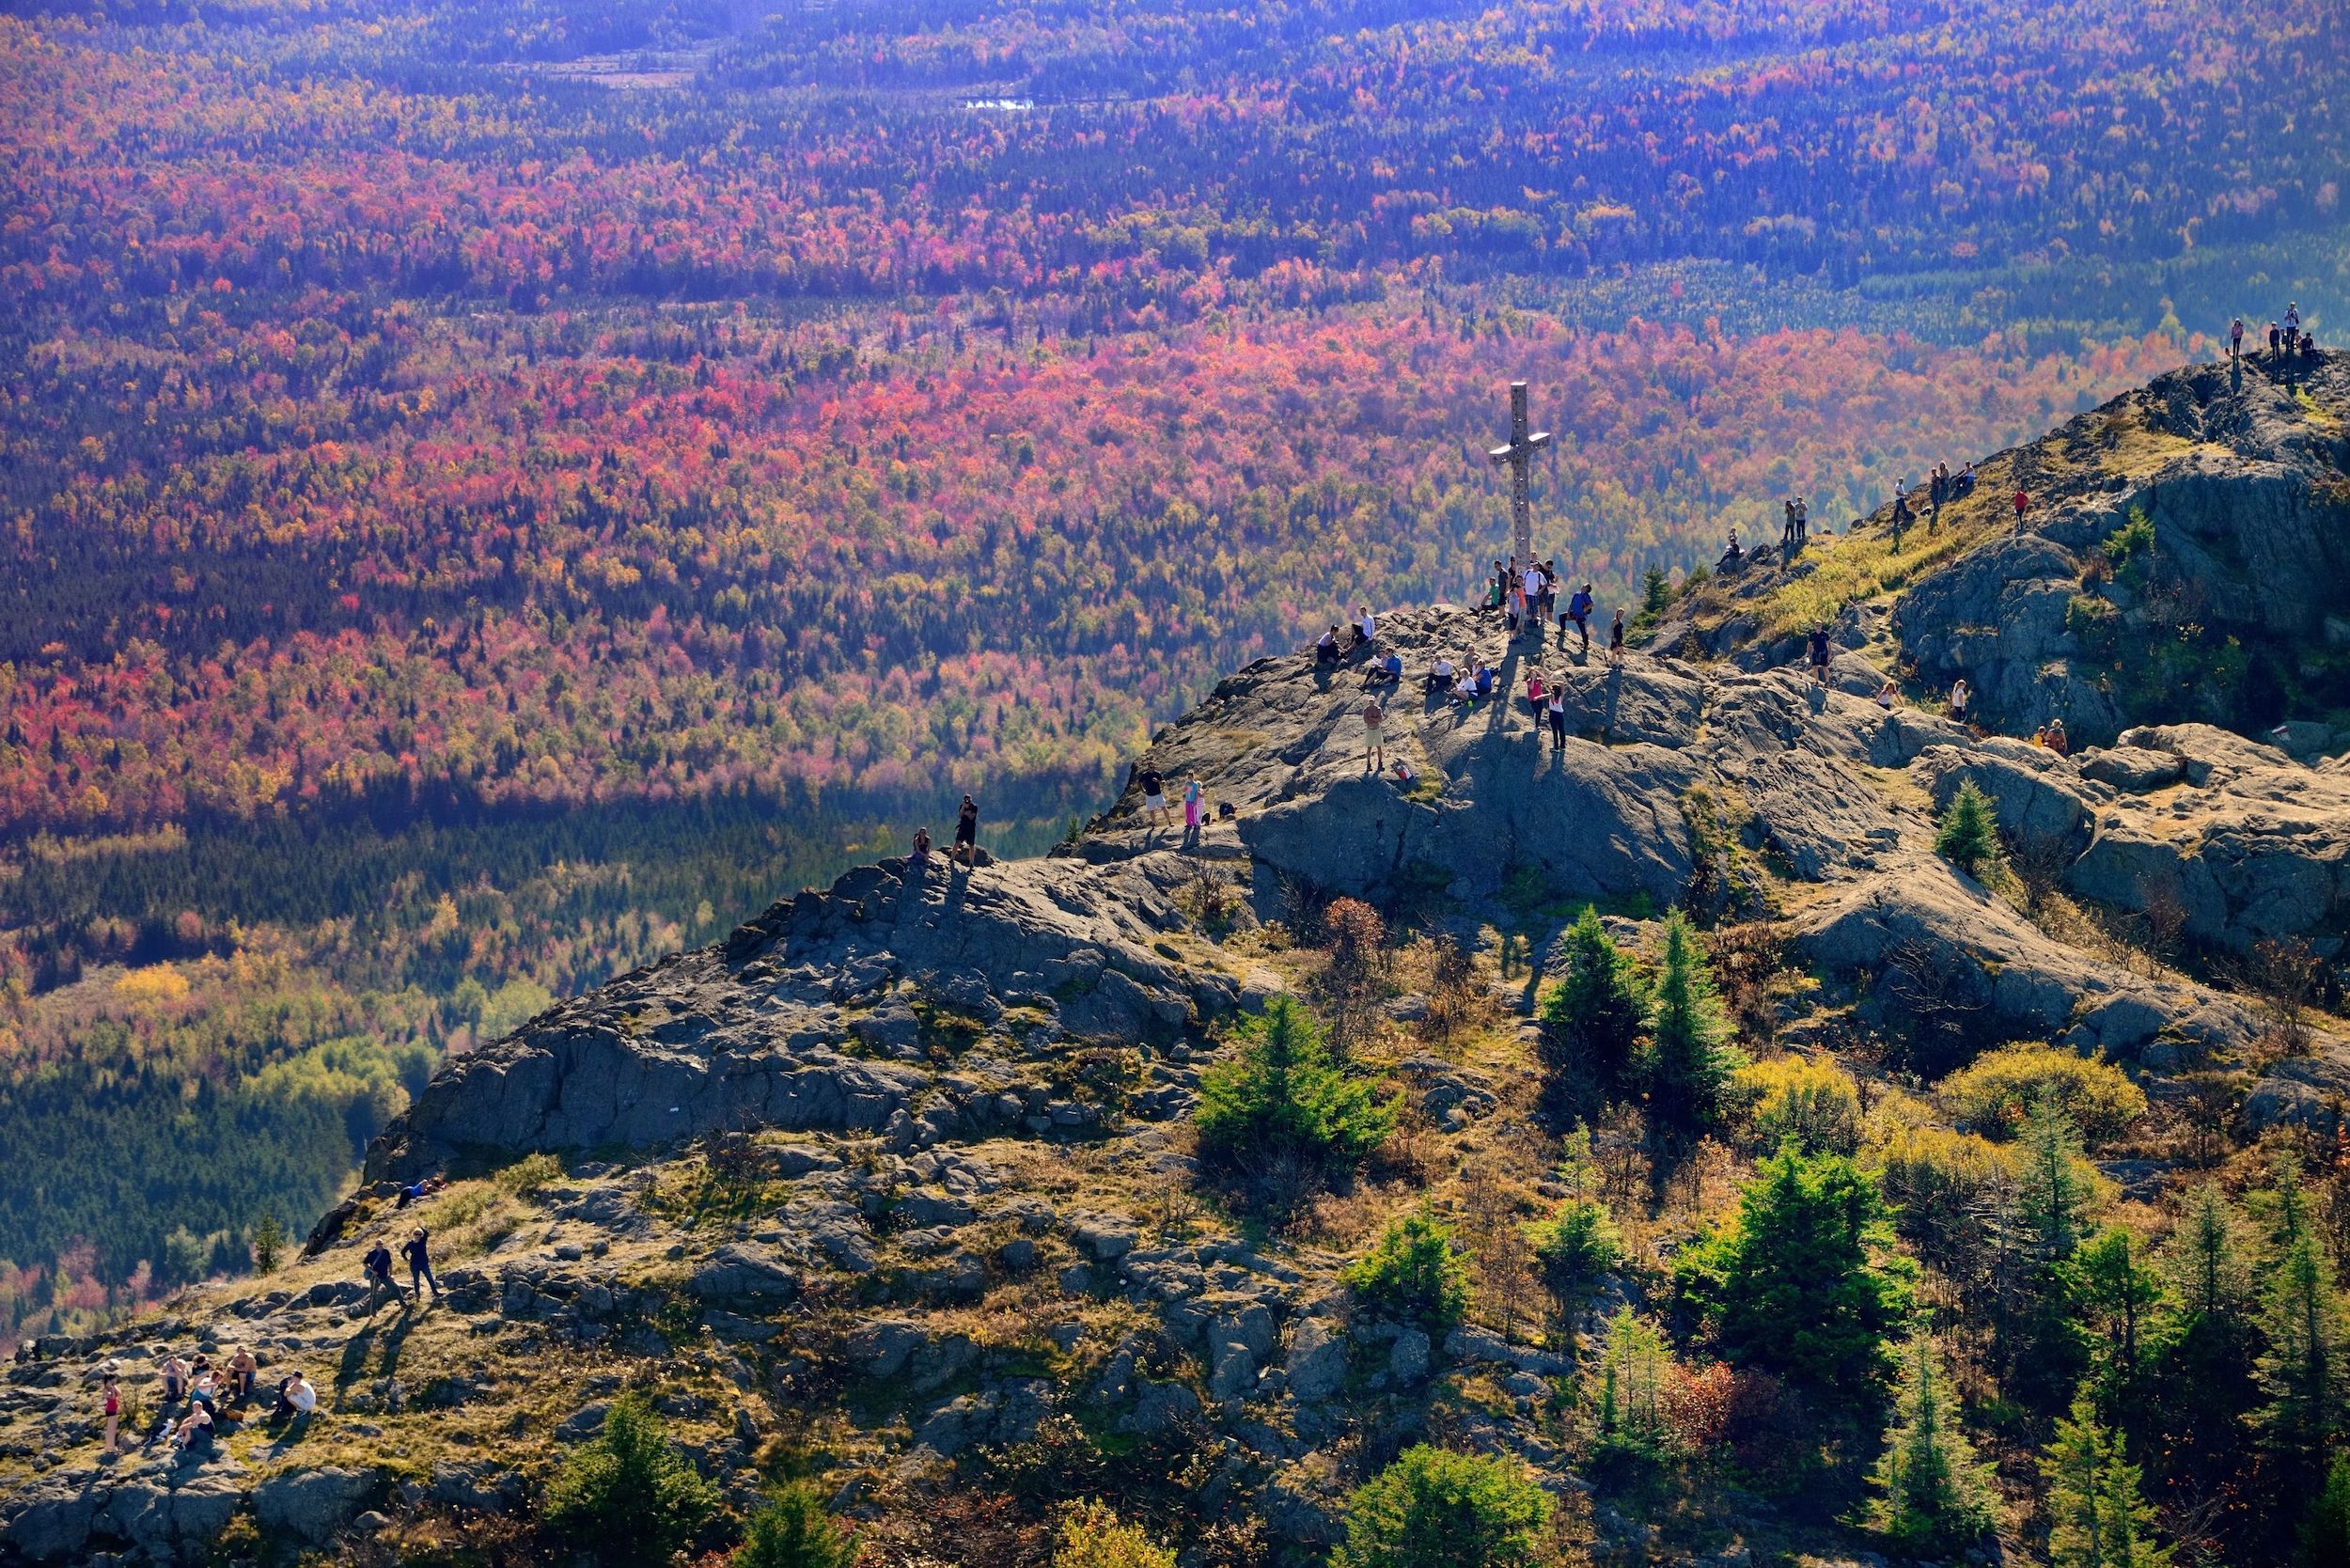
(2325, 1533)
(2302, 1370)
(2098, 1517)
(2115, 1295)
(794, 1530)
(1969, 834)
(1592, 1020)
(1934, 1496)
(1282, 1097)
(1690, 1063)
(1804, 1283)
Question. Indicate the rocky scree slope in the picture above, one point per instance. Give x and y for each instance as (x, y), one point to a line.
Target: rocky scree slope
(898, 1174)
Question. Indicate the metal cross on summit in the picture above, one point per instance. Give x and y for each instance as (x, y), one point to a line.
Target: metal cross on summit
(1519, 455)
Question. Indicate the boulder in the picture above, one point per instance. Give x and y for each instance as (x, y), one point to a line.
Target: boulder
(312, 1505)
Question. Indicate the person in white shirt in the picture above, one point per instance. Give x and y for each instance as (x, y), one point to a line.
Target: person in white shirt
(1440, 678)
(1366, 625)
(1958, 699)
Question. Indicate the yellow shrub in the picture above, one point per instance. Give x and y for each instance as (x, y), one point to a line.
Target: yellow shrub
(1995, 1092)
(1808, 1099)
(1092, 1536)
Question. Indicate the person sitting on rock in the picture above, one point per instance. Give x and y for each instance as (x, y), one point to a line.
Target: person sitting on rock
(175, 1371)
(1733, 555)
(243, 1370)
(1387, 672)
(1464, 687)
(1889, 697)
(1965, 483)
(203, 1386)
(296, 1398)
(921, 857)
(1326, 648)
(1485, 680)
(1440, 675)
(1366, 627)
(2056, 742)
(195, 1430)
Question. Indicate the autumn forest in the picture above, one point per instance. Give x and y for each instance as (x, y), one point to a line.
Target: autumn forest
(492, 494)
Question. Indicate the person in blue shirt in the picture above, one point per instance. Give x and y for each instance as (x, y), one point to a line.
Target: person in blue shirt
(1579, 611)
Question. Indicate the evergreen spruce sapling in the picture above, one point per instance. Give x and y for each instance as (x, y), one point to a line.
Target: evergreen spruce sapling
(2115, 1296)
(629, 1497)
(1414, 1273)
(1592, 1020)
(1691, 1064)
(1934, 1497)
(1969, 834)
(2097, 1515)
(2325, 1533)
(2203, 1382)
(1436, 1509)
(2302, 1370)
(1283, 1097)
(1804, 1283)
(794, 1530)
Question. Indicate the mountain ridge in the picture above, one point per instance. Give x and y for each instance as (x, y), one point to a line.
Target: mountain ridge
(898, 1181)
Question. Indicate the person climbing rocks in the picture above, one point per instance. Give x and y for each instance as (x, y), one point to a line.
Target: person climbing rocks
(1578, 611)
(2022, 501)
(1374, 721)
(418, 1249)
(378, 1264)
(1819, 654)
(1154, 795)
(1615, 638)
(967, 831)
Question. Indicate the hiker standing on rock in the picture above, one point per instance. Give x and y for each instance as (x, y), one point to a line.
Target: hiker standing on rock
(1615, 638)
(1195, 808)
(1803, 519)
(1787, 534)
(2022, 501)
(1819, 654)
(1374, 720)
(419, 1252)
(378, 1262)
(1555, 709)
(2236, 339)
(967, 831)
(1154, 795)
(1578, 611)
(112, 1393)
(1959, 695)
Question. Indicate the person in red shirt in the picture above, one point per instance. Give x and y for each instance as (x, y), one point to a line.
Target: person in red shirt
(2022, 501)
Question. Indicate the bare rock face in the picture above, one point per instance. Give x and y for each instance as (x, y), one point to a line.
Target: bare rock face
(821, 1015)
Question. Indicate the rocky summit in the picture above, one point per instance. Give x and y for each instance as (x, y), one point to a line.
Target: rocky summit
(900, 1189)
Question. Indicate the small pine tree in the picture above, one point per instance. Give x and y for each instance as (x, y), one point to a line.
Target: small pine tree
(2098, 1517)
(1436, 1509)
(1093, 1536)
(2115, 1298)
(2204, 1380)
(1804, 1283)
(1574, 1247)
(2325, 1533)
(629, 1497)
(2053, 1195)
(1414, 1273)
(1630, 1420)
(1691, 1064)
(1934, 1496)
(2302, 1371)
(269, 1245)
(1592, 1020)
(1284, 1098)
(1970, 835)
(794, 1530)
